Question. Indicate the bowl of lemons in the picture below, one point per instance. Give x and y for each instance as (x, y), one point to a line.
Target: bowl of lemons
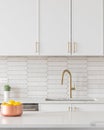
(11, 108)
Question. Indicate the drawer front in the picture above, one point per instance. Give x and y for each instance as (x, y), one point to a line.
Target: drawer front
(87, 107)
(54, 107)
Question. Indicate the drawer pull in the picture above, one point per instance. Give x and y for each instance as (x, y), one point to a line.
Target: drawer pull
(69, 109)
(37, 47)
(75, 47)
(69, 47)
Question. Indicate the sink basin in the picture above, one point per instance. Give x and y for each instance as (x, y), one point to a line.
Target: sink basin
(71, 99)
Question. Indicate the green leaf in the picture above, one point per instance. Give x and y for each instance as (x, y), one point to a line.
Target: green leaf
(7, 87)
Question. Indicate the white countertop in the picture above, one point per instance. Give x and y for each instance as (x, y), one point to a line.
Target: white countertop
(54, 120)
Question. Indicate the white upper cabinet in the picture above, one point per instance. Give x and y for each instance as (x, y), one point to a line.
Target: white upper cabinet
(87, 27)
(51, 27)
(17, 27)
(54, 27)
(71, 26)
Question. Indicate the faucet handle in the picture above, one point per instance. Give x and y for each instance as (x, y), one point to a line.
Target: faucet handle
(74, 88)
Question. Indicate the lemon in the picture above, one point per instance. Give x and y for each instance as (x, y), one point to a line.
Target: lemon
(8, 104)
(17, 103)
(4, 103)
(11, 102)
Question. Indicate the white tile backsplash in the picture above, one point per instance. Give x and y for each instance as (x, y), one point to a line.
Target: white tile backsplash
(96, 77)
(41, 76)
(37, 77)
(54, 70)
(78, 67)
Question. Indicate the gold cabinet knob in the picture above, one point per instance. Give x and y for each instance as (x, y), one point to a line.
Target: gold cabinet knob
(75, 109)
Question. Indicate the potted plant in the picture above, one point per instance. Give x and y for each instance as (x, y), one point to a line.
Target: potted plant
(7, 89)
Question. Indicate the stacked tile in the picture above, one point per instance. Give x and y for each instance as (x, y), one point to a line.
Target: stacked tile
(37, 77)
(96, 77)
(78, 68)
(17, 76)
(56, 66)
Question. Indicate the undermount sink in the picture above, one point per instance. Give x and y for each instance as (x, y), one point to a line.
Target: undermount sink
(71, 99)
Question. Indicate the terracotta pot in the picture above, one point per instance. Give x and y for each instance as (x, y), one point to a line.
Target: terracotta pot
(11, 110)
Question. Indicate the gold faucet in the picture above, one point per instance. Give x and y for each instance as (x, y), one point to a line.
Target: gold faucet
(71, 88)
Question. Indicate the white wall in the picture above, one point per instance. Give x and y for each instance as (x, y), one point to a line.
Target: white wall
(41, 76)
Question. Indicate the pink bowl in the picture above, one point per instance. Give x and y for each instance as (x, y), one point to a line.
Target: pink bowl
(11, 110)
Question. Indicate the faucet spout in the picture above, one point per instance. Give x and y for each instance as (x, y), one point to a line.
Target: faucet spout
(70, 78)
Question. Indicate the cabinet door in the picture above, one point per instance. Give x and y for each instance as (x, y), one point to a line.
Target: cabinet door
(87, 27)
(54, 107)
(54, 27)
(87, 107)
(17, 27)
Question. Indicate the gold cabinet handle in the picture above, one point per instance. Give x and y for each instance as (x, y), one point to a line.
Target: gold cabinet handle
(69, 109)
(69, 47)
(74, 47)
(37, 46)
